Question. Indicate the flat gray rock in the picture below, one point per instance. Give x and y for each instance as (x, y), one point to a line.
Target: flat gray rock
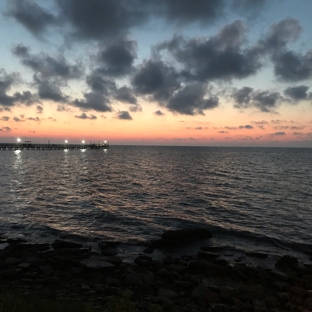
(96, 264)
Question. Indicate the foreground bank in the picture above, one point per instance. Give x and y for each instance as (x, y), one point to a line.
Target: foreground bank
(67, 270)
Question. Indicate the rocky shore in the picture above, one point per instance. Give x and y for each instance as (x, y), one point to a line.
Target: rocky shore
(205, 282)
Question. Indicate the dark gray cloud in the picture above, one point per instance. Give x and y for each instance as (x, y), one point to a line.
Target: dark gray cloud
(157, 79)
(31, 16)
(125, 94)
(246, 127)
(218, 57)
(116, 59)
(252, 8)
(5, 129)
(192, 100)
(85, 116)
(50, 74)
(48, 66)
(185, 11)
(17, 119)
(6, 83)
(243, 97)
(97, 19)
(135, 108)
(266, 101)
(291, 66)
(159, 113)
(5, 118)
(93, 101)
(39, 109)
(297, 93)
(282, 33)
(281, 133)
(99, 98)
(50, 89)
(124, 115)
(37, 119)
(288, 65)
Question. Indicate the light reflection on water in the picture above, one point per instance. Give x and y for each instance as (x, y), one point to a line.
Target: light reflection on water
(135, 193)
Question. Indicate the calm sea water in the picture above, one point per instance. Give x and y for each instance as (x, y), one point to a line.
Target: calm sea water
(251, 198)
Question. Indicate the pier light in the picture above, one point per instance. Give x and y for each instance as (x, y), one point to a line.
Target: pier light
(18, 140)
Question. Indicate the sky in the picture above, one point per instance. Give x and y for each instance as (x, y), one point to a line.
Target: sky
(166, 72)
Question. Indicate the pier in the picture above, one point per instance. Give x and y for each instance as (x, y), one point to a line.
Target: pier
(66, 146)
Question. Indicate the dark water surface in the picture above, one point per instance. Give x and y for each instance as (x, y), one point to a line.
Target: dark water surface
(251, 198)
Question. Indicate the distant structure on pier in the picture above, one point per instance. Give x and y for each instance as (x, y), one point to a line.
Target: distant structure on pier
(27, 145)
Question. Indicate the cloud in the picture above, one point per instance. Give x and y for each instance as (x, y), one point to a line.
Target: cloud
(157, 79)
(39, 109)
(48, 66)
(135, 108)
(116, 59)
(218, 57)
(265, 101)
(6, 82)
(84, 116)
(288, 65)
(159, 113)
(93, 101)
(37, 119)
(246, 127)
(192, 100)
(5, 118)
(185, 12)
(198, 128)
(297, 93)
(281, 133)
(222, 131)
(124, 115)
(230, 128)
(17, 119)
(5, 129)
(99, 98)
(50, 74)
(98, 19)
(252, 8)
(125, 94)
(31, 16)
(282, 33)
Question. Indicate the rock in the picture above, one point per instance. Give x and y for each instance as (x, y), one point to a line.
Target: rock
(113, 281)
(211, 248)
(97, 264)
(272, 302)
(12, 261)
(148, 250)
(184, 236)
(279, 275)
(207, 255)
(109, 251)
(61, 244)
(255, 254)
(287, 262)
(164, 302)
(183, 285)
(203, 293)
(218, 307)
(167, 293)
(308, 303)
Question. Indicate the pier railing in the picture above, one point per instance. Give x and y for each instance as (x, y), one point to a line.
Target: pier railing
(30, 146)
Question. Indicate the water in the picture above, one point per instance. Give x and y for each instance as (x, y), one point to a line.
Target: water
(250, 198)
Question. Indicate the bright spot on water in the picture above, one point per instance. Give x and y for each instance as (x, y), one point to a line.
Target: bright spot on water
(65, 150)
(83, 150)
(105, 151)
(17, 152)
